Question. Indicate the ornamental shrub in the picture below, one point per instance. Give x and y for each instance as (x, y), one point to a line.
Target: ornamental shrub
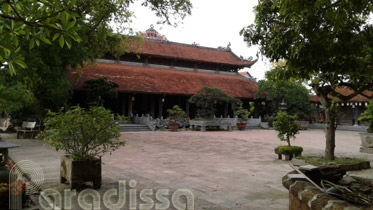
(367, 115)
(83, 133)
(176, 114)
(286, 126)
(291, 150)
(207, 98)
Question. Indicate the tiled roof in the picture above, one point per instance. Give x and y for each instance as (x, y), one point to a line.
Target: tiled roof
(190, 52)
(163, 81)
(346, 91)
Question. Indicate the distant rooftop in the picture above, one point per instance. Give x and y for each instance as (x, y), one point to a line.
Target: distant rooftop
(156, 44)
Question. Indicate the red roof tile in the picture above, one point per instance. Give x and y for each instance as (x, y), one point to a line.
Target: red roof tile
(194, 53)
(346, 91)
(163, 81)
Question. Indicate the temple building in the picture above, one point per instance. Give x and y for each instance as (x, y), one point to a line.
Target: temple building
(348, 112)
(164, 73)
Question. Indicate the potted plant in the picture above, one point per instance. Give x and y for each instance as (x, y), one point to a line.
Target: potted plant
(287, 128)
(243, 116)
(86, 135)
(367, 138)
(175, 115)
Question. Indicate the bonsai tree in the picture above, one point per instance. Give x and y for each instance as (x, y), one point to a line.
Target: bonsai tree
(99, 88)
(243, 114)
(207, 98)
(176, 114)
(367, 115)
(286, 126)
(85, 134)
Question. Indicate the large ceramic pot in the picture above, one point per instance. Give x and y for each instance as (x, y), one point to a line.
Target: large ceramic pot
(79, 171)
(366, 142)
(241, 126)
(174, 127)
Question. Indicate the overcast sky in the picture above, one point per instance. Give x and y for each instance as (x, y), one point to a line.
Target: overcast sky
(213, 23)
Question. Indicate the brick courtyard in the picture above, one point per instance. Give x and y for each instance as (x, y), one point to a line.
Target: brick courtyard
(224, 170)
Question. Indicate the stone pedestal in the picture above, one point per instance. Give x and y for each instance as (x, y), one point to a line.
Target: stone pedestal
(366, 142)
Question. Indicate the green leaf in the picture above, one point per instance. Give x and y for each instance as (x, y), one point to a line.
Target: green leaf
(11, 68)
(45, 40)
(20, 63)
(54, 26)
(55, 36)
(62, 41)
(64, 19)
(31, 44)
(68, 43)
(71, 24)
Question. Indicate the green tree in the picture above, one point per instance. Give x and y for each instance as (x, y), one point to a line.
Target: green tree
(294, 94)
(207, 98)
(286, 126)
(84, 133)
(99, 88)
(13, 95)
(367, 115)
(48, 21)
(328, 42)
(66, 33)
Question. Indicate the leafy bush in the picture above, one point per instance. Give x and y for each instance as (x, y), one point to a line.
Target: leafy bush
(243, 114)
(99, 88)
(86, 134)
(291, 150)
(367, 115)
(176, 114)
(286, 126)
(207, 98)
(275, 90)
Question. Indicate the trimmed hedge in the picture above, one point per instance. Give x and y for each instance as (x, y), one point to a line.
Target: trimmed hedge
(289, 150)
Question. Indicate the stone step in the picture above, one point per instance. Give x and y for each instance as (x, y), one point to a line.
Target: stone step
(133, 127)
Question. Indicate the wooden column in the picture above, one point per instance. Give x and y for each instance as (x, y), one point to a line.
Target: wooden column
(187, 107)
(152, 104)
(160, 106)
(130, 104)
(145, 104)
(123, 102)
(226, 109)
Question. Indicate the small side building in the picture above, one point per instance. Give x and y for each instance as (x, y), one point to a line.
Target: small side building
(348, 111)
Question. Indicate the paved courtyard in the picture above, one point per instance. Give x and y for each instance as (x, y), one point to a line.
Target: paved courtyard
(224, 170)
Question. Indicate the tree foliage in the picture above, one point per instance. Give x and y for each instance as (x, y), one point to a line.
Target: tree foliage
(176, 114)
(207, 98)
(85, 134)
(286, 126)
(41, 39)
(243, 114)
(326, 41)
(367, 115)
(69, 21)
(13, 95)
(294, 94)
(99, 88)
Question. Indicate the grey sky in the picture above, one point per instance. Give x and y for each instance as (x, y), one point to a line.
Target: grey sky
(213, 23)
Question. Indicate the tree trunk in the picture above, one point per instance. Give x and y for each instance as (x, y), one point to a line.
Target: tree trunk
(330, 133)
(330, 117)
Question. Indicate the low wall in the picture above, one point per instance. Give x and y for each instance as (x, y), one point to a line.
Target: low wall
(305, 196)
(163, 123)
